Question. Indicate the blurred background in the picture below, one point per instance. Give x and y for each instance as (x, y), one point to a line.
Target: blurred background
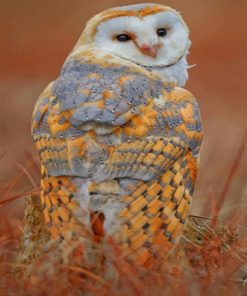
(36, 37)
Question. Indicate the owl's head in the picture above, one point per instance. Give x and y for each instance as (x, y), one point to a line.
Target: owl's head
(149, 35)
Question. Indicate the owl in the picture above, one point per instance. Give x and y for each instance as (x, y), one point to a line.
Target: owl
(118, 138)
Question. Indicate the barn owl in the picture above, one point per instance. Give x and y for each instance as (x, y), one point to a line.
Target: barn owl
(118, 137)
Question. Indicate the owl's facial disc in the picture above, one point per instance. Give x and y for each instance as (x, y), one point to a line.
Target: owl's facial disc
(156, 40)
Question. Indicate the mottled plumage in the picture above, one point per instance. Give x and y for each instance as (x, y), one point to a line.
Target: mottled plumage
(120, 141)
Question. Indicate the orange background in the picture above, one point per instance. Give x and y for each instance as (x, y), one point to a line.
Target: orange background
(36, 37)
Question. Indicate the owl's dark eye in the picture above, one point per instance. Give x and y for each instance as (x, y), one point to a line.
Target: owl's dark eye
(123, 37)
(161, 32)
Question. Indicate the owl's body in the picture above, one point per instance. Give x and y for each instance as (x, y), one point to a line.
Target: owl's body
(119, 144)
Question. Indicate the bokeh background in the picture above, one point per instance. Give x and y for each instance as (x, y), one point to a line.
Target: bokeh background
(36, 37)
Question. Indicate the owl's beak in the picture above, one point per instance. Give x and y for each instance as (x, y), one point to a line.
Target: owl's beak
(150, 50)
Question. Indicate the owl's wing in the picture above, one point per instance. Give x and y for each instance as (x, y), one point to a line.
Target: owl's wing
(82, 116)
(177, 116)
(140, 159)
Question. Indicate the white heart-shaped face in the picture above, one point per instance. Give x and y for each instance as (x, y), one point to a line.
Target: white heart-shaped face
(147, 35)
(158, 39)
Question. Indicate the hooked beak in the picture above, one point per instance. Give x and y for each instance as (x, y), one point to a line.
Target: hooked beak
(150, 50)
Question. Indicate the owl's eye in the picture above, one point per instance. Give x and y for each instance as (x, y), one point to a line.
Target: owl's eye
(123, 37)
(161, 32)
